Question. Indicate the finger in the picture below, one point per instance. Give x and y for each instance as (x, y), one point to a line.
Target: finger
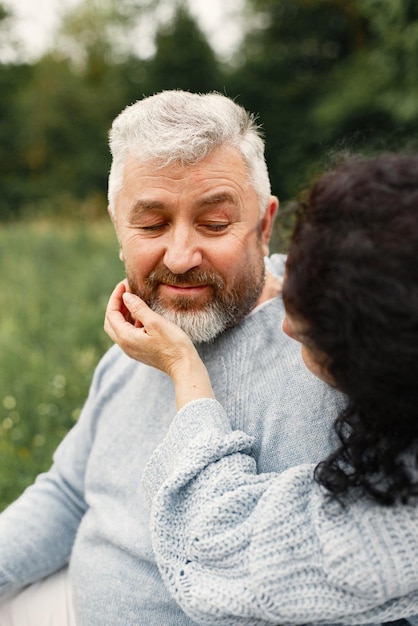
(139, 310)
(115, 301)
(121, 331)
(155, 325)
(126, 336)
(116, 311)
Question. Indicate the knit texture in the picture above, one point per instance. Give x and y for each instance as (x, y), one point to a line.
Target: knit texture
(90, 509)
(239, 547)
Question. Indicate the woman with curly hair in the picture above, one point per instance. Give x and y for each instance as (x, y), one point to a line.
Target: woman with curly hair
(352, 291)
(331, 543)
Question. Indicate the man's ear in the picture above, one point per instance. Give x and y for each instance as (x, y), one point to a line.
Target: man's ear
(267, 223)
(113, 218)
(111, 215)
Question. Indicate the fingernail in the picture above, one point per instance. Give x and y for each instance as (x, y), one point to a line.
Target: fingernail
(128, 298)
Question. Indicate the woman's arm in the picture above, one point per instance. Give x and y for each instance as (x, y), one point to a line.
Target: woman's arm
(238, 547)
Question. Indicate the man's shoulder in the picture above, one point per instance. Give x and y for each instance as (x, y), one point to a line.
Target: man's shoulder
(114, 355)
(113, 365)
(276, 264)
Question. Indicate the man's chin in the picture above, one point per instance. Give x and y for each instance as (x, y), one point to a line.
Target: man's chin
(201, 326)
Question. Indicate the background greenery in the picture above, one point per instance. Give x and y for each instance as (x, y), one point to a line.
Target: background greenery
(54, 285)
(324, 76)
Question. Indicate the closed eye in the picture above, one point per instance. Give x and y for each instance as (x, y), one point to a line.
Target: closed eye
(153, 228)
(215, 227)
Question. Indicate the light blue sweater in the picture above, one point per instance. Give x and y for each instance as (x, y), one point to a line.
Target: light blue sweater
(91, 509)
(236, 547)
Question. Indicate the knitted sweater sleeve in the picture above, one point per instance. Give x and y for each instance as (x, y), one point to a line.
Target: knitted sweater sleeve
(237, 547)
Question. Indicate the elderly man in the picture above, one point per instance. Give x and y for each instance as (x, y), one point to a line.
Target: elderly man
(189, 196)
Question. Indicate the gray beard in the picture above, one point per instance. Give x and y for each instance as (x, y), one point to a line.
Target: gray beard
(202, 326)
(226, 308)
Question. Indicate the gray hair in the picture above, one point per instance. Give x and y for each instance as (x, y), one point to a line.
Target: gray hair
(179, 126)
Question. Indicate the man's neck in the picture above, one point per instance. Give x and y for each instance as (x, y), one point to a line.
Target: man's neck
(272, 288)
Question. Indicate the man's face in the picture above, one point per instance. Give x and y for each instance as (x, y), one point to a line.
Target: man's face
(192, 240)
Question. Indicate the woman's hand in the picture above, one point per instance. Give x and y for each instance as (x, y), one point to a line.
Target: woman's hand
(144, 335)
(147, 337)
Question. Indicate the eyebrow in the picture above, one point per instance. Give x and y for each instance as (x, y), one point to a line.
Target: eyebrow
(143, 205)
(216, 198)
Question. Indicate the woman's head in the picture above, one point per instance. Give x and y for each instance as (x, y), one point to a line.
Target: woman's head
(352, 281)
(352, 270)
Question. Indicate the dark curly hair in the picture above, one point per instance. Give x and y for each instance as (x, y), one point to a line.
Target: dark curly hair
(352, 279)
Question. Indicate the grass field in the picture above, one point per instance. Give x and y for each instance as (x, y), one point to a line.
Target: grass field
(55, 280)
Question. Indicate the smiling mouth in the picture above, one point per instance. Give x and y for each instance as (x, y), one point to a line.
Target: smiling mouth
(183, 289)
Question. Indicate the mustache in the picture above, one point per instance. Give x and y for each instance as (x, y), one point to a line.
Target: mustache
(192, 277)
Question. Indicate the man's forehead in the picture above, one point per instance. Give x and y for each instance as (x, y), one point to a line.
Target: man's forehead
(219, 180)
(215, 178)
(225, 154)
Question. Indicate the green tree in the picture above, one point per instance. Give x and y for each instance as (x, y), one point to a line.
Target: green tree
(62, 113)
(183, 59)
(292, 46)
(328, 75)
(9, 46)
(13, 77)
(373, 94)
(98, 34)
(63, 135)
(57, 120)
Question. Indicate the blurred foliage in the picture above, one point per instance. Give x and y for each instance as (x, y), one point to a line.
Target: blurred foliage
(329, 76)
(55, 281)
(323, 75)
(183, 57)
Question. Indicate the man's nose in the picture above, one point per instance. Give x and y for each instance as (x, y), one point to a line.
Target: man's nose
(183, 252)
